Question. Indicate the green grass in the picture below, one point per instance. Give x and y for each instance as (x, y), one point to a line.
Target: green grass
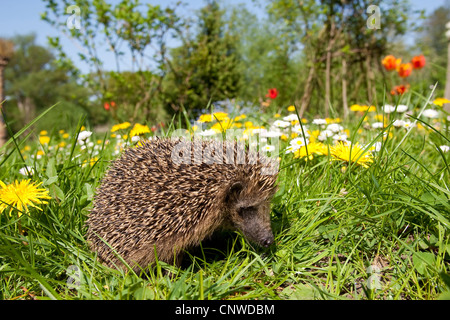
(334, 224)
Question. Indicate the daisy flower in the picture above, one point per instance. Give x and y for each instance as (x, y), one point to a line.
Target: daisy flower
(430, 113)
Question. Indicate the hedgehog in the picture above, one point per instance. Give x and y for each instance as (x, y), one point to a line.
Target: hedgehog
(164, 197)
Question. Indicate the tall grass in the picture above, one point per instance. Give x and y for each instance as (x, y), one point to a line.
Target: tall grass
(341, 231)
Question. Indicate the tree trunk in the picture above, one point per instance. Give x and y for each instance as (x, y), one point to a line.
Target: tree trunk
(308, 91)
(344, 88)
(3, 130)
(447, 83)
(27, 108)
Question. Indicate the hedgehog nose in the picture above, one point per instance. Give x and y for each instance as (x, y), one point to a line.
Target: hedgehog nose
(266, 242)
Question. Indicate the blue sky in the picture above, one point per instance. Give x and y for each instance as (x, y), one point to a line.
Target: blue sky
(23, 17)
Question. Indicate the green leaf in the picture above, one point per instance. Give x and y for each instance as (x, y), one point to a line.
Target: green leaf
(300, 292)
(423, 259)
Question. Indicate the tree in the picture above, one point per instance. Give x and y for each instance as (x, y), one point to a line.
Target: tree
(34, 81)
(136, 35)
(6, 51)
(338, 45)
(205, 67)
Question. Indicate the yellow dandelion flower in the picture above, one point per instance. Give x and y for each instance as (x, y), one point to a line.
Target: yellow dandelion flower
(21, 195)
(205, 118)
(314, 148)
(43, 133)
(291, 108)
(44, 139)
(221, 116)
(139, 129)
(277, 115)
(440, 101)
(65, 136)
(120, 126)
(248, 124)
(351, 153)
(62, 144)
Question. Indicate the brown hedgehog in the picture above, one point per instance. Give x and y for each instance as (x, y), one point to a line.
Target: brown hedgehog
(168, 195)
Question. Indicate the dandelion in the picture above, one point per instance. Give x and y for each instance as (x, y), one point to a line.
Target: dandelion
(20, 195)
(315, 148)
(351, 153)
(205, 118)
(43, 133)
(120, 126)
(440, 101)
(44, 139)
(291, 108)
(139, 129)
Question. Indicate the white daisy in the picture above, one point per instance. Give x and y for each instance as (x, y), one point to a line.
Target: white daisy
(281, 124)
(430, 113)
(83, 135)
(24, 171)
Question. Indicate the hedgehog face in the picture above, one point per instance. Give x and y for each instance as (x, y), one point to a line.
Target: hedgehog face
(251, 216)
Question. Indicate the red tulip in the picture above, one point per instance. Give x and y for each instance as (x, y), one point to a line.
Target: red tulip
(272, 94)
(399, 90)
(418, 62)
(404, 70)
(390, 62)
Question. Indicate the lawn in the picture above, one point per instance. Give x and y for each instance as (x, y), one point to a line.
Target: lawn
(362, 211)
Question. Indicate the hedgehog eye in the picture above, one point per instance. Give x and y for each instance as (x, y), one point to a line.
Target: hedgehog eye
(247, 211)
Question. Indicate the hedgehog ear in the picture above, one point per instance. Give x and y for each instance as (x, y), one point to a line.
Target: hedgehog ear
(234, 190)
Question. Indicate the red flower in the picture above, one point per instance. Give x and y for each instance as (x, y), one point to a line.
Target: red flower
(272, 94)
(418, 62)
(390, 62)
(399, 89)
(113, 104)
(106, 106)
(404, 70)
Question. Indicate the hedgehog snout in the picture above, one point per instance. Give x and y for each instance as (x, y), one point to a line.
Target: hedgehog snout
(267, 241)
